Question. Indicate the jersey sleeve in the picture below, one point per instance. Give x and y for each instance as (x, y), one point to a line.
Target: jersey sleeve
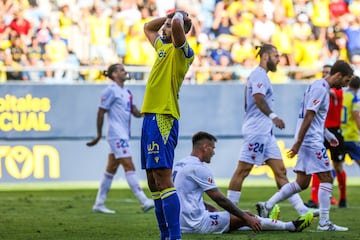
(316, 95)
(187, 50)
(204, 178)
(257, 84)
(107, 98)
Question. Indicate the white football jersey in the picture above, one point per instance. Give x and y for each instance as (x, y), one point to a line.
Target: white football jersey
(316, 98)
(256, 122)
(118, 102)
(191, 179)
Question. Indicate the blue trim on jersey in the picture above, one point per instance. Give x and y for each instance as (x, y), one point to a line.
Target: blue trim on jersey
(154, 153)
(187, 50)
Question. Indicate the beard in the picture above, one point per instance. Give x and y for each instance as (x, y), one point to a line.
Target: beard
(166, 38)
(271, 66)
(338, 85)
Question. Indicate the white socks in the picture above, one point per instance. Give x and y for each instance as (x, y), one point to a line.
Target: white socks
(133, 182)
(104, 188)
(285, 192)
(298, 204)
(270, 224)
(324, 194)
(234, 196)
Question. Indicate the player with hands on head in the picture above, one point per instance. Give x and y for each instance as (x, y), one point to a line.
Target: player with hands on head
(309, 144)
(192, 178)
(161, 114)
(117, 103)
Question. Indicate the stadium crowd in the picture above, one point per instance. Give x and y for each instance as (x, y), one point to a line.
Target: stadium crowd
(70, 40)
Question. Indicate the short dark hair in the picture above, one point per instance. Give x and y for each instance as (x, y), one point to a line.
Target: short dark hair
(355, 82)
(342, 67)
(197, 137)
(265, 48)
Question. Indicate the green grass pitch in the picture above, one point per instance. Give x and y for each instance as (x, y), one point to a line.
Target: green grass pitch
(53, 212)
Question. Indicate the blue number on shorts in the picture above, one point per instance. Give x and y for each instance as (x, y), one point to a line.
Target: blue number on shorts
(124, 143)
(323, 151)
(259, 147)
(214, 222)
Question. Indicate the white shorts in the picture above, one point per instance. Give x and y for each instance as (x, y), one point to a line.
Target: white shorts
(312, 159)
(256, 149)
(211, 223)
(120, 148)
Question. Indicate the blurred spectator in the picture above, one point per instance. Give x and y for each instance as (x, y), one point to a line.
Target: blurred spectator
(283, 39)
(99, 27)
(303, 6)
(337, 8)
(34, 50)
(309, 55)
(43, 33)
(206, 17)
(17, 50)
(242, 49)
(57, 53)
(223, 48)
(221, 25)
(351, 28)
(100, 31)
(16, 72)
(302, 28)
(65, 23)
(264, 27)
(225, 62)
(135, 53)
(34, 14)
(320, 18)
(21, 26)
(242, 26)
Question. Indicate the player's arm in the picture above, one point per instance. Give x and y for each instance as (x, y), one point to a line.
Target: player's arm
(136, 112)
(151, 29)
(99, 124)
(226, 204)
(308, 118)
(260, 102)
(331, 138)
(177, 28)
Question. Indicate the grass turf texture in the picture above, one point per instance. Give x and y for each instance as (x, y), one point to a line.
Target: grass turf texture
(65, 213)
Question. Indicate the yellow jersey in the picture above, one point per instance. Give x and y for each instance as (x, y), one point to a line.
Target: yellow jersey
(166, 77)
